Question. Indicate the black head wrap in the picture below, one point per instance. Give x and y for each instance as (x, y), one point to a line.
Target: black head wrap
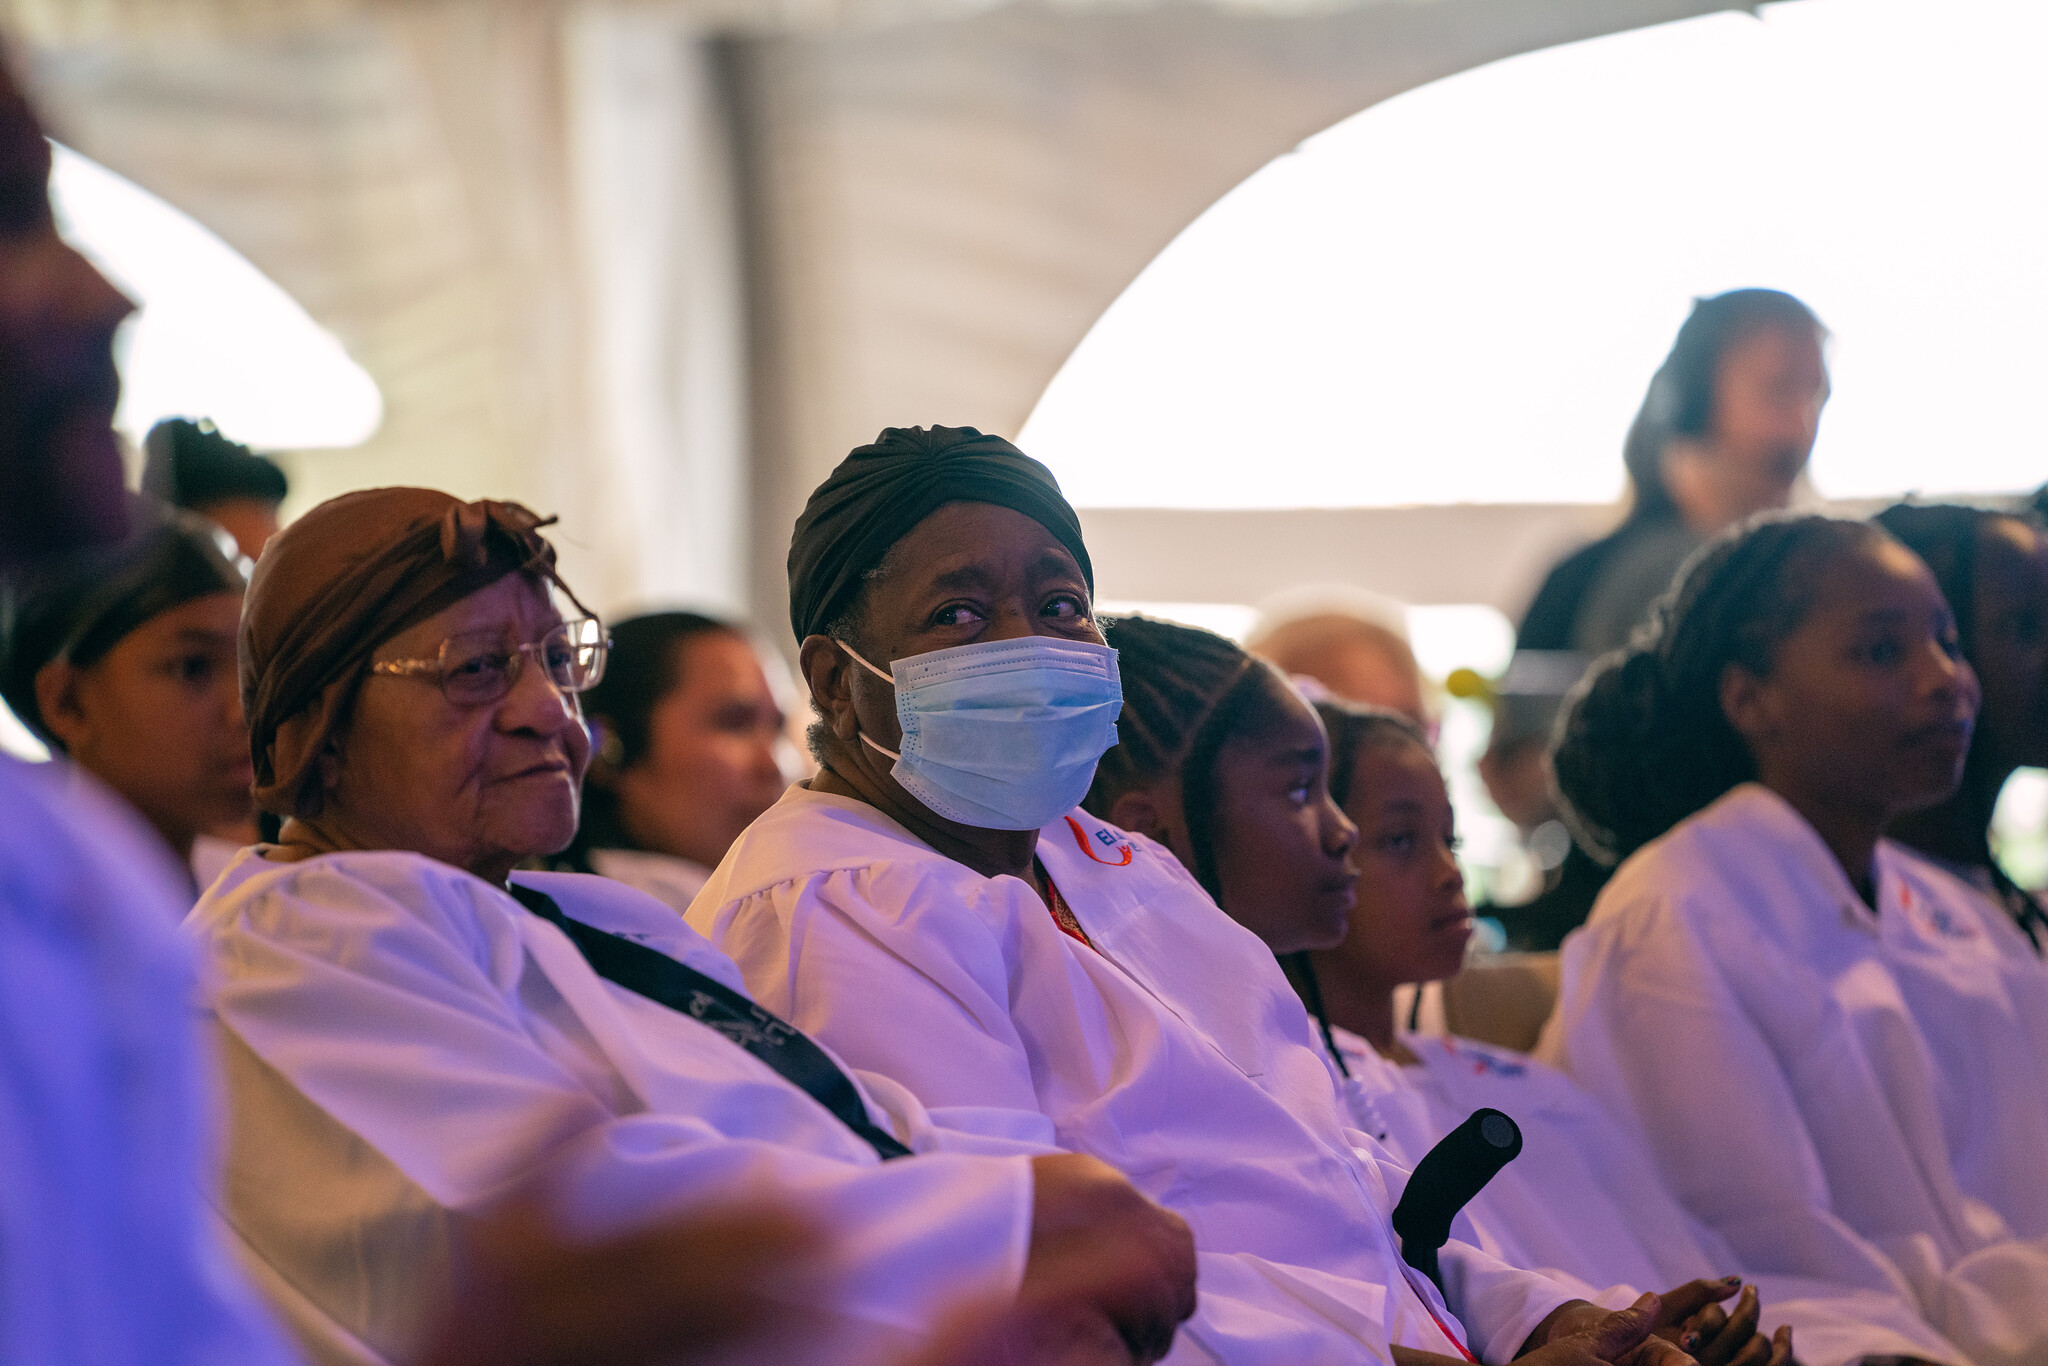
(880, 491)
(192, 465)
(82, 606)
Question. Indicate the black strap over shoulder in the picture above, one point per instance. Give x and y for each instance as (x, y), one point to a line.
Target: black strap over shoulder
(712, 1003)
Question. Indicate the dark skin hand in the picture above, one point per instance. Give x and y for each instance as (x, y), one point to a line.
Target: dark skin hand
(968, 573)
(1654, 1331)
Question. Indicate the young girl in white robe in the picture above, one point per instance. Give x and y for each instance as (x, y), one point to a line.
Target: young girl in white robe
(1809, 1023)
(1226, 787)
(1584, 1199)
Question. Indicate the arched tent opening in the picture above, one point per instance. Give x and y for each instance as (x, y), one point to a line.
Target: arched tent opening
(212, 336)
(1404, 355)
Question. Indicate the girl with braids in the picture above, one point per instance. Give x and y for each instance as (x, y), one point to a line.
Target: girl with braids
(1584, 1199)
(1808, 1022)
(1222, 761)
(1993, 568)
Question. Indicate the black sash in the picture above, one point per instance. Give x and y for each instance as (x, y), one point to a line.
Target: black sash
(710, 1002)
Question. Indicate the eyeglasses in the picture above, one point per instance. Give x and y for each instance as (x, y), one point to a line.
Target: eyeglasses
(479, 667)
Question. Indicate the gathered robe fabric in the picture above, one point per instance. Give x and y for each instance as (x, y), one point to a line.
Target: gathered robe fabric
(1583, 1200)
(404, 1042)
(1855, 1096)
(1173, 1050)
(108, 1251)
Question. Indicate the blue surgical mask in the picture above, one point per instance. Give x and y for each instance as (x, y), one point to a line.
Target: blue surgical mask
(1003, 734)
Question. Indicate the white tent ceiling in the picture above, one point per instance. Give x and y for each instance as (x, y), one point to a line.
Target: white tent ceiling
(657, 266)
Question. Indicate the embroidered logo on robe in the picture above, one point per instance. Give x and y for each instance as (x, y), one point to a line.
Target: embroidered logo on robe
(1484, 1063)
(1935, 919)
(1106, 840)
(763, 1028)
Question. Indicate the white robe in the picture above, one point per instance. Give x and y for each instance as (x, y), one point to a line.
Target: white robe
(672, 881)
(1845, 1095)
(1583, 1200)
(1177, 1054)
(108, 1253)
(403, 1040)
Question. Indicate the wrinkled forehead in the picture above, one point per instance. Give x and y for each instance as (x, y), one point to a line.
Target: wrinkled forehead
(522, 605)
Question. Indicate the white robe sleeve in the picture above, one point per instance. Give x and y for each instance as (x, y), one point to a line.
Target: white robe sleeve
(390, 1050)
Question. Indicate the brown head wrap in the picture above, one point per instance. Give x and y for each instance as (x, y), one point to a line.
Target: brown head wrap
(339, 582)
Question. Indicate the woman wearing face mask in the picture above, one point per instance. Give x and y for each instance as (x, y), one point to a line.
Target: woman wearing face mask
(122, 660)
(687, 731)
(935, 905)
(1807, 1021)
(1583, 1199)
(1993, 568)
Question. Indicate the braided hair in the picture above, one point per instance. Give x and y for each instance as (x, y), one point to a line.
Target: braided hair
(1186, 692)
(1643, 742)
(1946, 536)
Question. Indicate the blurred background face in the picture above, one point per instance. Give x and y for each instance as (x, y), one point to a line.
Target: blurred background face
(158, 718)
(2011, 641)
(60, 464)
(477, 787)
(1412, 921)
(710, 767)
(1769, 389)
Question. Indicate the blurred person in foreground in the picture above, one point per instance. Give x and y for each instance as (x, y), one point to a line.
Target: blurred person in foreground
(107, 1252)
(1355, 659)
(687, 735)
(191, 465)
(389, 992)
(121, 659)
(1724, 432)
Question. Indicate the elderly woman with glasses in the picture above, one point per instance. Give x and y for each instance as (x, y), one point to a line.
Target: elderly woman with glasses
(409, 1029)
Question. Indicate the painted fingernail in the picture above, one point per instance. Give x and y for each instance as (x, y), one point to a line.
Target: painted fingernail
(1731, 1280)
(1689, 1341)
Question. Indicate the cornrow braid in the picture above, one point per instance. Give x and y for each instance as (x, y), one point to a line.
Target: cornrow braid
(1186, 691)
(1643, 743)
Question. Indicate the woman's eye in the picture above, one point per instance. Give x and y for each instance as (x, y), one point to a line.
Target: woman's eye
(1883, 652)
(1403, 843)
(1066, 607)
(477, 666)
(192, 668)
(1299, 795)
(957, 614)
(1454, 842)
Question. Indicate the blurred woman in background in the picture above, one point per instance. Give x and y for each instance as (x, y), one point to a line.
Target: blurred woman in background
(1993, 569)
(688, 735)
(1810, 1023)
(1723, 433)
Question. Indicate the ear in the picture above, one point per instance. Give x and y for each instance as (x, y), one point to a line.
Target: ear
(57, 688)
(828, 672)
(1139, 811)
(1746, 702)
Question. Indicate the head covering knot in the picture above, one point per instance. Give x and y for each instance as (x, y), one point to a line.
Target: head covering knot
(881, 491)
(339, 582)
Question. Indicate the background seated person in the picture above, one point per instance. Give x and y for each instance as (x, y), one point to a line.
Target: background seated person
(405, 1031)
(1356, 659)
(191, 465)
(1993, 569)
(122, 660)
(1584, 1198)
(934, 904)
(687, 732)
(1810, 1024)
